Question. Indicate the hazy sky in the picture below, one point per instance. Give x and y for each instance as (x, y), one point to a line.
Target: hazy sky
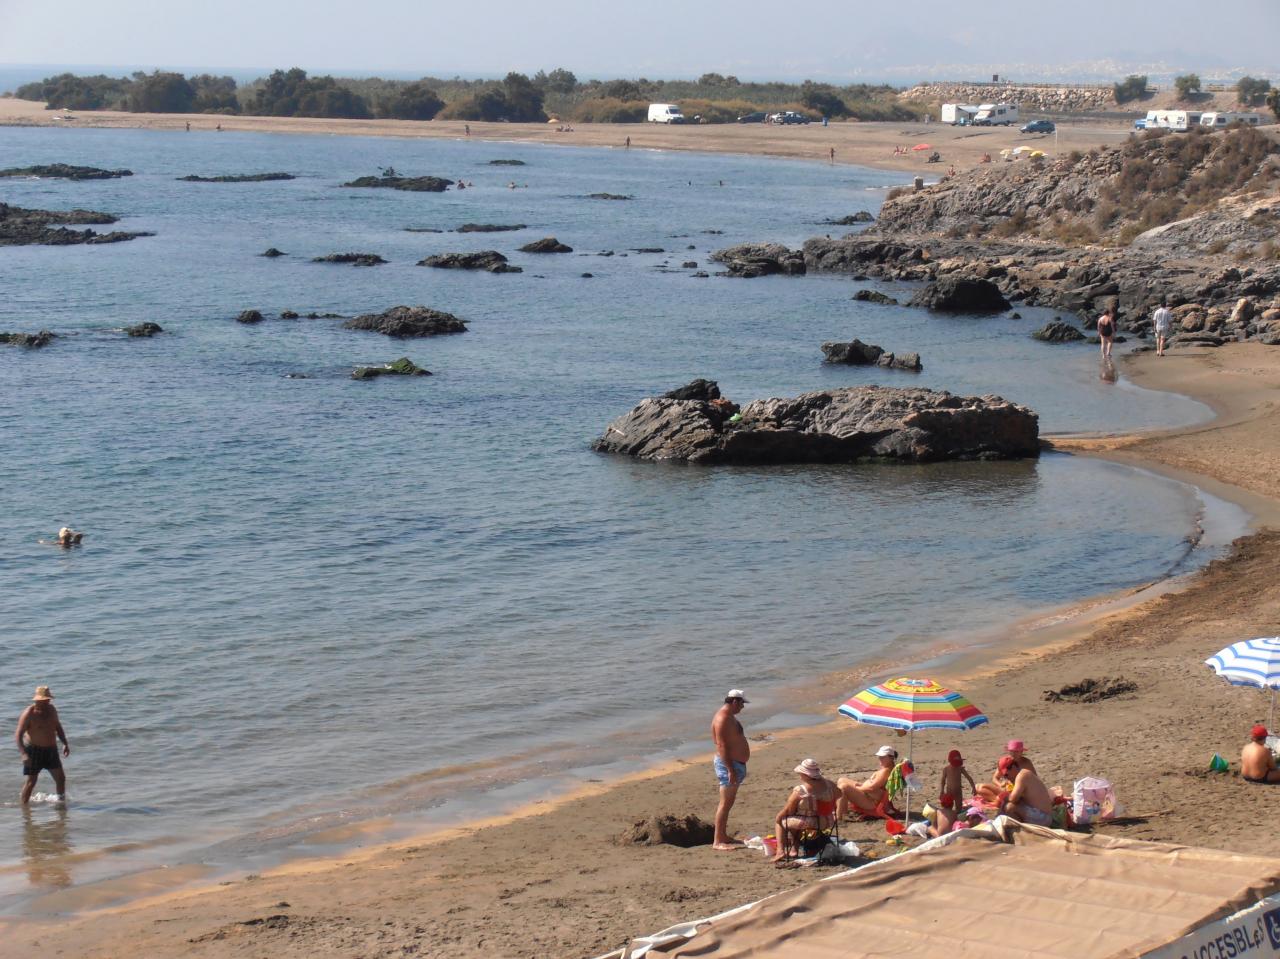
(660, 38)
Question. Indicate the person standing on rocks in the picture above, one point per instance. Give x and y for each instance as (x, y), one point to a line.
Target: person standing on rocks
(1162, 321)
(37, 735)
(1107, 330)
(732, 753)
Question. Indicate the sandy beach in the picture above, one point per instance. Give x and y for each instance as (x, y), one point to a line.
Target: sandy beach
(864, 144)
(551, 880)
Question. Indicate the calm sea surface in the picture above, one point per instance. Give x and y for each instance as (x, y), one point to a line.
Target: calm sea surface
(307, 602)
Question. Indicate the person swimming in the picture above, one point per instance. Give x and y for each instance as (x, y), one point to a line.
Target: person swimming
(67, 537)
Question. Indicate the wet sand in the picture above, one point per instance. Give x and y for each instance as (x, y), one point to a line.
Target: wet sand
(551, 881)
(865, 144)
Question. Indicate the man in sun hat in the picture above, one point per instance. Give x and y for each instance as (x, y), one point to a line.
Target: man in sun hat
(1257, 764)
(866, 796)
(732, 753)
(37, 737)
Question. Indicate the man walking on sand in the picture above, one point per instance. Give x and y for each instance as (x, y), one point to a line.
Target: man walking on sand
(37, 737)
(1162, 321)
(732, 753)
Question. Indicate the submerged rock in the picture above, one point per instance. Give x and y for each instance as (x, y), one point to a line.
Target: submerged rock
(30, 340)
(288, 314)
(828, 426)
(401, 367)
(506, 163)
(608, 196)
(760, 259)
(857, 353)
(1058, 332)
(485, 228)
(548, 244)
(237, 178)
(65, 171)
(875, 296)
(355, 259)
(490, 260)
(250, 317)
(862, 216)
(962, 294)
(414, 184)
(408, 321)
(144, 329)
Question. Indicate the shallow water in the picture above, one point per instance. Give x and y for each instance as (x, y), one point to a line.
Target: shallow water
(304, 602)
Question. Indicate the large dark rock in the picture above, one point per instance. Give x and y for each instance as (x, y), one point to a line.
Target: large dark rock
(961, 294)
(489, 260)
(760, 259)
(857, 353)
(271, 253)
(699, 389)
(144, 329)
(506, 163)
(401, 367)
(237, 178)
(408, 321)
(862, 216)
(250, 317)
(1058, 332)
(65, 171)
(828, 426)
(414, 184)
(30, 340)
(875, 296)
(24, 227)
(482, 228)
(548, 244)
(355, 259)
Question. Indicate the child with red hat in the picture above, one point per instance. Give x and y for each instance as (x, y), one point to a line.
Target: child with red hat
(950, 792)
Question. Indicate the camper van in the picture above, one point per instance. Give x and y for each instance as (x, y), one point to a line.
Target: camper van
(996, 115)
(1220, 121)
(665, 113)
(1179, 121)
(958, 113)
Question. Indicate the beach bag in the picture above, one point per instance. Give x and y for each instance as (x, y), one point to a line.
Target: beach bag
(1094, 799)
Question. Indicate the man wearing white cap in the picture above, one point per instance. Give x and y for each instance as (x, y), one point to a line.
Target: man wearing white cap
(732, 753)
(39, 730)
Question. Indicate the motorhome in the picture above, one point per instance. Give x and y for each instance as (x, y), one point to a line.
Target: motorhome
(1179, 121)
(996, 115)
(1221, 120)
(665, 113)
(958, 113)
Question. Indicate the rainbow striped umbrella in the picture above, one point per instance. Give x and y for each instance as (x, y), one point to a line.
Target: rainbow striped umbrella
(912, 704)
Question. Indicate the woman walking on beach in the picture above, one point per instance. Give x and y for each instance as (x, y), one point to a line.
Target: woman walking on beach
(1107, 329)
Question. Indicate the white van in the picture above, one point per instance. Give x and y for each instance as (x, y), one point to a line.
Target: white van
(958, 113)
(1220, 121)
(665, 113)
(1179, 121)
(996, 115)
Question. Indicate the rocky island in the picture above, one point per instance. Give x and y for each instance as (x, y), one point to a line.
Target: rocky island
(24, 227)
(237, 178)
(393, 181)
(866, 423)
(490, 261)
(65, 171)
(408, 321)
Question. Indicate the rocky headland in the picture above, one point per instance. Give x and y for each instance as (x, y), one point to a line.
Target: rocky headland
(24, 227)
(866, 423)
(404, 322)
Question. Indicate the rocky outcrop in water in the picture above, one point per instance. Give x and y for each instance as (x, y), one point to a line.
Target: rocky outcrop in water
(827, 426)
(271, 253)
(32, 341)
(874, 296)
(1058, 332)
(237, 178)
(857, 353)
(65, 171)
(699, 389)
(961, 294)
(143, 330)
(608, 196)
(489, 260)
(249, 317)
(506, 163)
(408, 321)
(355, 259)
(401, 367)
(24, 227)
(488, 228)
(760, 259)
(414, 184)
(853, 219)
(548, 244)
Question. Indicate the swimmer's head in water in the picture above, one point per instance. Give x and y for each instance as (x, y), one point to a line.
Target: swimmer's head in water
(64, 533)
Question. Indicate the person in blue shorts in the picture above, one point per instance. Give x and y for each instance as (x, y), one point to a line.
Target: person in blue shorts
(732, 753)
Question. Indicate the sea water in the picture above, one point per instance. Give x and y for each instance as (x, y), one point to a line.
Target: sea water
(304, 601)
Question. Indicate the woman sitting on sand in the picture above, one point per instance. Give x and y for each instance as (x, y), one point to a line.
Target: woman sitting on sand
(867, 796)
(811, 805)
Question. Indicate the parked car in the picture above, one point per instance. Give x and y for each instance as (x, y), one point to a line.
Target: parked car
(753, 117)
(789, 116)
(1039, 126)
(1140, 123)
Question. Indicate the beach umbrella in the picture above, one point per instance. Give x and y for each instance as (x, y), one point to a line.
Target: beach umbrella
(911, 704)
(1037, 154)
(1022, 149)
(1251, 662)
(921, 146)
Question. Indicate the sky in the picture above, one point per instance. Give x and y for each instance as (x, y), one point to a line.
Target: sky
(821, 39)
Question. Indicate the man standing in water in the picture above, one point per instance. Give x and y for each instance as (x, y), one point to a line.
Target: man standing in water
(732, 753)
(37, 737)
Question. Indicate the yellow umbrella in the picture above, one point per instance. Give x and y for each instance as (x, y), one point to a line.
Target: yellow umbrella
(1022, 149)
(1037, 154)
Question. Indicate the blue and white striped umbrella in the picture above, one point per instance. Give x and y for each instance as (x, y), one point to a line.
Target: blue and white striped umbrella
(1251, 662)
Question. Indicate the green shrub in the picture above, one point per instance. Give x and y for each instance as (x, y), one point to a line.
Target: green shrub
(1186, 85)
(1132, 87)
(1252, 92)
(608, 110)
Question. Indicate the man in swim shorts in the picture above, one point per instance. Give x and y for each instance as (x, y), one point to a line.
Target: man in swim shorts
(1257, 764)
(39, 730)
(1029, 801)
(865, 797)
(732, 753)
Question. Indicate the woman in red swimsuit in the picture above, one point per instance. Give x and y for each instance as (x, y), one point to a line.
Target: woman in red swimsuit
(811, 805)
